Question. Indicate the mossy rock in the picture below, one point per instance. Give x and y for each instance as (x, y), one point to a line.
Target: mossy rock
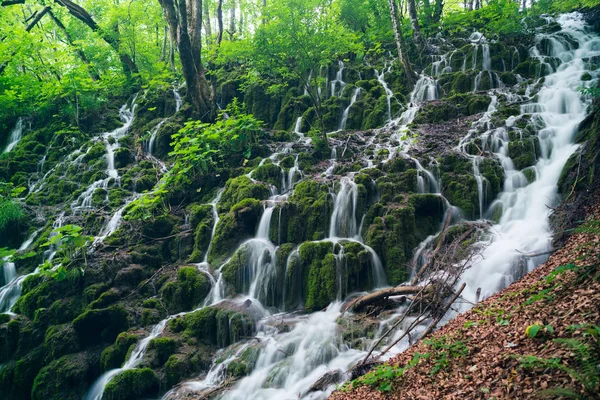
(95, 326)
(242, 188)
(114, 355)
(233, 228)
(524, 152)
(61, 340)
(67, 378)
(269, 173)
(162, 348)
(132, 384)
(187, 292)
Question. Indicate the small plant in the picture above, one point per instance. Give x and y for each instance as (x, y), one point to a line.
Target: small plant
(383, 376)
(584, 370)
(445, 351)
(537, 329)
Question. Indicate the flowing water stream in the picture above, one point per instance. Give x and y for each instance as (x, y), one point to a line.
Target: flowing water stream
(289, 362)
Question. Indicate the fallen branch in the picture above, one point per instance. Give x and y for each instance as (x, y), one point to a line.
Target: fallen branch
(437, 320)
(363, 301)
(441, 238)
(543, 253)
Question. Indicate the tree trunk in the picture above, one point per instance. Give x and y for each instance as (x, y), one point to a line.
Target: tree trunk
(93, 74)
(129, 66)
(414, 24)
(399, 42)
(241, 23)
(186, 28)
(163, 52)
(207, 23)
(438, 10)
(374, 297)
(220, 22)
(232, 21)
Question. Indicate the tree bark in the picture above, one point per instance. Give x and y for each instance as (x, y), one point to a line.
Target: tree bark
(438, 10)
(207, 23)
(371, 298)
(129, 66)
(232, 21)
(220, 22)
(163, 52)
(186, 28)
(399, 42)
(11, 3)
(414, 24)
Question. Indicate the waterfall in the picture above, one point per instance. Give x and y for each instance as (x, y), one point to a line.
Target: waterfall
(524, 226)
(15, 136)
(338, 80)
(343, 218)
(178, 100)
(97, 389)
(153, 135)
(11, 291)
(111, 142)
(388, 92)
(342, 125)
(298, 126)
(425, 89)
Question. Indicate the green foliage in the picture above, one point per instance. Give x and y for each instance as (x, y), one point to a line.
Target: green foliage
(383, 376)
(444, 349)
(71, 244)
(584, 370)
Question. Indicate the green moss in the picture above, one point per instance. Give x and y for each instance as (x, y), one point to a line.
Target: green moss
(114, 355)
(524, 152)
(60, 340)
(190, 288)
(67, 378)
(268, 173)
(164, 347)
(94, 326)
(132, 384)
(241, 188)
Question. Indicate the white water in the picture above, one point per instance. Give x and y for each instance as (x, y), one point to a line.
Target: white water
(15, 136)
(338, 81)
(346, 112)
(388, 92)
(524, 226)
(111, 142)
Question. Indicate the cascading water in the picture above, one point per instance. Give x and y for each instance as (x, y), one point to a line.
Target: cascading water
(388, 92)
(111, 142)
(338, 81)
(11, 291)
(524, 226)
(346, 113)
(15, 136)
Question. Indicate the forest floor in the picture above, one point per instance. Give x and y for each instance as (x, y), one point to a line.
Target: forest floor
(537, 338)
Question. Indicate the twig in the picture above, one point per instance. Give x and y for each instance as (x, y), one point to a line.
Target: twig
(441, 315)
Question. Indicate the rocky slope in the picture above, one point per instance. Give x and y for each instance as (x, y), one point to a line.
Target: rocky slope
(236, 278)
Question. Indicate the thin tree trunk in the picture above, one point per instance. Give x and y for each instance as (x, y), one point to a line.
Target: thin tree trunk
(399, 42)
(188, 36)
(163, 53)
(207, 23)
(220, 22)
(438, 10)
(414, 24)
(232, 20)
(264, 9)
(241, 23)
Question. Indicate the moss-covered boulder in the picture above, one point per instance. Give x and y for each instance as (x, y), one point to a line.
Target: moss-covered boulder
(67, 378)
(95, 326)
(114, 355)
(132, 384)
(185, 293)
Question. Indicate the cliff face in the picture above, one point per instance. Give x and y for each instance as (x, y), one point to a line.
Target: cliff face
(237, 274)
